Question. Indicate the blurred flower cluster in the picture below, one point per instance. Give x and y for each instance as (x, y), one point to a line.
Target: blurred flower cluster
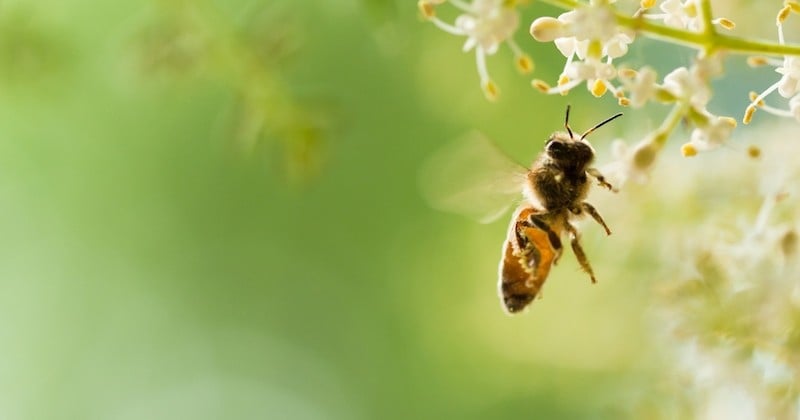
(594, 36)
(731, 308)
(186, 40)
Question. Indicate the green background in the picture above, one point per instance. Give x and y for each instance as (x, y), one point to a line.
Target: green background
(151, 267)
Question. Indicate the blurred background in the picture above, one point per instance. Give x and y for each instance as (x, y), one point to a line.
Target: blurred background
(211, 210)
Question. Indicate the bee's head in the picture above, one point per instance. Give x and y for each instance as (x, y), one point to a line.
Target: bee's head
(572, 152)
(568, 152)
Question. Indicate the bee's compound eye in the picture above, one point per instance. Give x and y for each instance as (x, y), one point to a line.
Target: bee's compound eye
(555, 146)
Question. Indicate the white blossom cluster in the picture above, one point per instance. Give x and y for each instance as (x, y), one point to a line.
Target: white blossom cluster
(733, 315)
(594, 36)
(788, 86)
(485, 25)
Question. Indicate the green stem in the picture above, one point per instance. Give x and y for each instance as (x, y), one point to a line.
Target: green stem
(705, 13)
(665, 129)
(704, 41)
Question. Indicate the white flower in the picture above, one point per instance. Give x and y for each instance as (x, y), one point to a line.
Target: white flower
(790, 82)
(788, 86)
(630, 163)
(591, 34)
(573, 31)
(679, 14)
(687, 86)
(794, 106)
(486, 24)
(714, 134)
(617, 45)
(642, 87)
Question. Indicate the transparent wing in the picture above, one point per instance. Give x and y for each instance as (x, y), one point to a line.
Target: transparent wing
(472, 177)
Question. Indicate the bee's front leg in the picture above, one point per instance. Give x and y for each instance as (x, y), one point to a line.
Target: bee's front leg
(595, 215)
(577, 249)
(601, 180)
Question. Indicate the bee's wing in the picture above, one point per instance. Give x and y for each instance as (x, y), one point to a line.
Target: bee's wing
(472, 177)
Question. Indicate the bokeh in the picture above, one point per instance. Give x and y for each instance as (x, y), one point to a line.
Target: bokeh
(211, 210)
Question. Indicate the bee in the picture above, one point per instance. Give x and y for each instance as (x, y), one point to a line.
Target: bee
(553, 193)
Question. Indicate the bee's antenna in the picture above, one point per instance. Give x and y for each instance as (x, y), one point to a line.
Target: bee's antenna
(566, 124)
(606, 121)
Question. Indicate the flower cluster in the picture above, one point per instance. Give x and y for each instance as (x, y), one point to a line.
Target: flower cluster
(733, 316)
(788, 86)
(486, 24)
(594, 36)
(683, 15)
(590, 38)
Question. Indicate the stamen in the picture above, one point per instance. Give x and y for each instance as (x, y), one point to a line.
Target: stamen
(540, 85)
(777, 111)
(688, 150)
(524, 62)
(753, 97)
(783, 15)
(427, 8)
(461, 5)
(725, 23)
(760, 98)
(446, 26)
(757, 61)
(489, 87)
(599, 88)
(480, 60)
(748, 114)
(753, 152)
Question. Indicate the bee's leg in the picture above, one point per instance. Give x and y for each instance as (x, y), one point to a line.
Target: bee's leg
(578, 250)
(595, 215)
(601, 180)
(539, 223)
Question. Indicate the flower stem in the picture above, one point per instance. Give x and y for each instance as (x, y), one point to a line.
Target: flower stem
(673, 118)
(705, 13)
(707, 41)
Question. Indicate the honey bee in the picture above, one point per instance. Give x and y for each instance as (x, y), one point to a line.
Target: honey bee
(553, 190)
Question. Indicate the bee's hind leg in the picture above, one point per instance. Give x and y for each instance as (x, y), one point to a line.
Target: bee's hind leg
(578, 250)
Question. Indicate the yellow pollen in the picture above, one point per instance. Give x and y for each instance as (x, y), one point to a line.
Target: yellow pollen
(688, 150)
(729, 121)
(748, 114)
(784, 14)
(725, 23)
(490, 90)
(690, 10)
(595, 49)
(427, 9)
(794, 5)
(524, 64)
(540, 85)
(627, 73)
(753, 152)
(757, 61)
(646, 4)
(753, 97)
(563, 80)
(598, 88)
(623, 101)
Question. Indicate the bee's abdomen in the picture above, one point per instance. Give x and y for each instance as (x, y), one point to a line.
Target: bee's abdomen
(528, 255)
